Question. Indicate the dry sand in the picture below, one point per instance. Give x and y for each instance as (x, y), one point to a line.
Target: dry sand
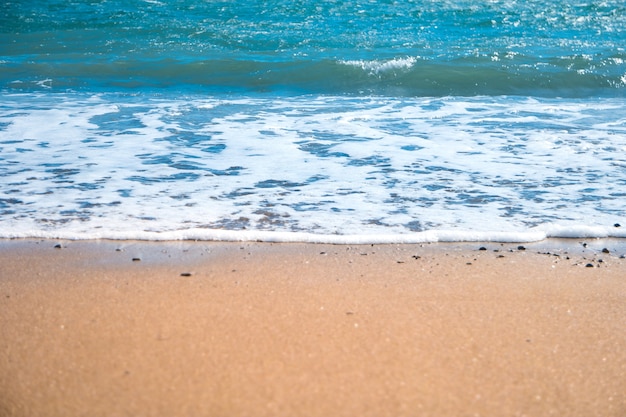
(107, 328)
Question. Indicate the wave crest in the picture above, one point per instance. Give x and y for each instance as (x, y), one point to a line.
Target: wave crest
(375, 67)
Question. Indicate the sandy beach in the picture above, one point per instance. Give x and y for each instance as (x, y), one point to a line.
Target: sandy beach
(124, 328)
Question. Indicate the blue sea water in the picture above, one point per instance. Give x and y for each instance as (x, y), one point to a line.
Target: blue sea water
(331, 121)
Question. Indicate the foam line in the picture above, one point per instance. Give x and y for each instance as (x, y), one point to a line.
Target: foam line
(293, 237)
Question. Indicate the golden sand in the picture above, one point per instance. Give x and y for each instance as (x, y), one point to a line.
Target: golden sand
(106, 328)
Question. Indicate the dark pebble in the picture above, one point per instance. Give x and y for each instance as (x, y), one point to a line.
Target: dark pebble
(521, 247)
(58, 246)
(185, 274)
(416, 257)
(589, 265)
(482, 248)
(617, 225)
(136, 259)
(605, 250)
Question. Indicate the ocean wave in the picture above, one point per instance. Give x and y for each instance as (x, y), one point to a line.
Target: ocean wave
(408, 76)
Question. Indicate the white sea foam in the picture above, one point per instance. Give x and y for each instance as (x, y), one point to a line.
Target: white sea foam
(433, 236)
(314, 169)
(378, 66)
(46, 83)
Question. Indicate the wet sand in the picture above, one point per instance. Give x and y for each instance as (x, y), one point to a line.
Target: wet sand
(105, 328)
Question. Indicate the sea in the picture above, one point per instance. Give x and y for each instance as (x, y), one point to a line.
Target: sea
(352, 121)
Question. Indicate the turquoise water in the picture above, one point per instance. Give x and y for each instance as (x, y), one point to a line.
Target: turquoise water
(409, 48)
(370, 120)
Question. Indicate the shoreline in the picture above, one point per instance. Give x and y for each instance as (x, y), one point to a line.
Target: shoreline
(576, 245)
(281, 329)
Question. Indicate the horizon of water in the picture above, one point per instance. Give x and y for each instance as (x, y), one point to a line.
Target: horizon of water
(327, 121)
